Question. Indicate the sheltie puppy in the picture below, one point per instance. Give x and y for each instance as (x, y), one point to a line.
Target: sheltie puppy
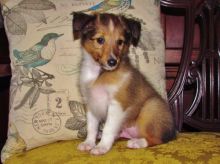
(113, 90)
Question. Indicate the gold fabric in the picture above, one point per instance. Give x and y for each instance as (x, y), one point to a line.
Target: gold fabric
(190, 148)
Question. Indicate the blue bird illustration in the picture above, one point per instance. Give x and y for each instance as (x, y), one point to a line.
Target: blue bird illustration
(39, 54)
(110, 5)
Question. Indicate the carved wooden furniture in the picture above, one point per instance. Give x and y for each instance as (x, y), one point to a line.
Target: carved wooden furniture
(204, 72)
(195, 94)
(192, 35)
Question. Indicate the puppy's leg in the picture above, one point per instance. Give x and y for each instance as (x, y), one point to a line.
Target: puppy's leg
(111, 129)
(92, 130)
(151, 123)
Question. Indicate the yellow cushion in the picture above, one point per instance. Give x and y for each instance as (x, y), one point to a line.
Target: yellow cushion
(187, 148)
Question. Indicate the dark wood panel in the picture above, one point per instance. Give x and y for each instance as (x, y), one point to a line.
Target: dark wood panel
(196, 40)
(174, 32)
(4, 51)
(4, 101)
(5, 70)
(173, 56)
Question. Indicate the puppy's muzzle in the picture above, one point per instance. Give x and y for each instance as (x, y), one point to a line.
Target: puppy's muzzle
(111, 63)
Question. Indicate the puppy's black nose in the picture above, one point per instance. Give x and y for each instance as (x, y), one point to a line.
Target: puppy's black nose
(112, 62)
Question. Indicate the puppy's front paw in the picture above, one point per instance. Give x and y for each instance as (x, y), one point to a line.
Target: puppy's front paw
(85, 146)
(99, 150)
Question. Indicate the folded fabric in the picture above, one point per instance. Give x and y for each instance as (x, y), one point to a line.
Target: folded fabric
(187, 148)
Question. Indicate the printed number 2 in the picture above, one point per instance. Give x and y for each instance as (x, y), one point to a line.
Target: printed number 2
(59, 102)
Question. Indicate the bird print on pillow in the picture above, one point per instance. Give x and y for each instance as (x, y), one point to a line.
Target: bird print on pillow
(28, 61)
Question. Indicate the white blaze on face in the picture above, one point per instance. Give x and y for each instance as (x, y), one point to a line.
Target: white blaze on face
(111, 26)
(111, 29)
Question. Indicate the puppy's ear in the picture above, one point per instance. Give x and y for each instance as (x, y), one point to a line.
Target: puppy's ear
(81, 23)
(134, 28)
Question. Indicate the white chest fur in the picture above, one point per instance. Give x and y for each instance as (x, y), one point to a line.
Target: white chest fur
(95, 97)
(90, 70)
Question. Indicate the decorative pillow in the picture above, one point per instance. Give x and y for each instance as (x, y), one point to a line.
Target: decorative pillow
(45, 103)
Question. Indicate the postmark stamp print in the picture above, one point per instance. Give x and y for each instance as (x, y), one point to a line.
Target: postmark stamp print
(46, 122)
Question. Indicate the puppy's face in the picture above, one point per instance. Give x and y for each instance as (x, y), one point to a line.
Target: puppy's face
(106, 37)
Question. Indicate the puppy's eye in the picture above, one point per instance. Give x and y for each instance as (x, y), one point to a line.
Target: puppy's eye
(120, 42)
(100, 40)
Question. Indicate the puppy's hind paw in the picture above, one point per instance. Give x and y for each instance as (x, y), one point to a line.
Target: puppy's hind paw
(85, 146)
(137, 143)
(99, 150)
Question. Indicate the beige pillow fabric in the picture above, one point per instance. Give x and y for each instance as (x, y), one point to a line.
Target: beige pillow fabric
(45, 102)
